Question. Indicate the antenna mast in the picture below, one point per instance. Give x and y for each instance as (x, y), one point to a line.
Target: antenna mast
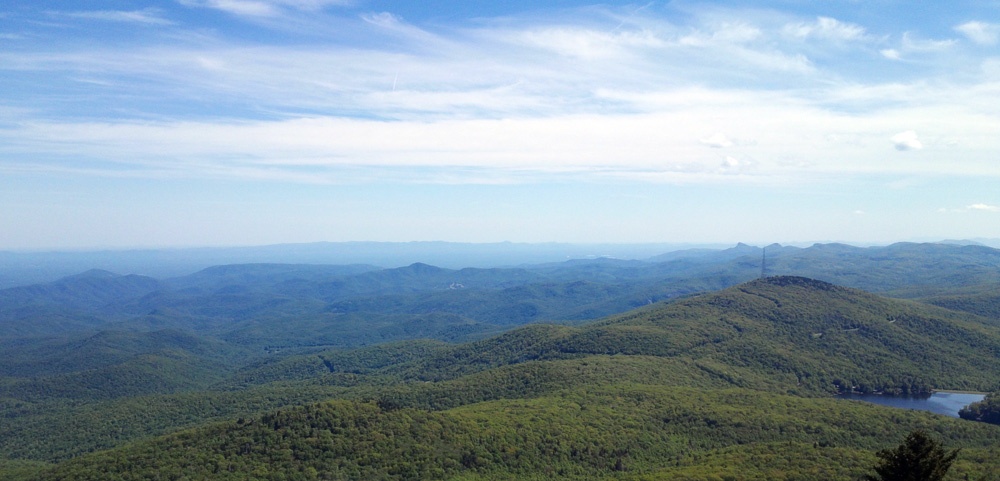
(763, 263)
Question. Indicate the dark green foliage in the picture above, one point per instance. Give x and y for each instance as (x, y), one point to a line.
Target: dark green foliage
(761, 336)
(728, 385)
(20, 470)
(828, 337)
(87, 351)
(917, 458)
(803, 335)
(588, 432)
(987, 410)
(980, 299)
(55, 431)
(112, 364)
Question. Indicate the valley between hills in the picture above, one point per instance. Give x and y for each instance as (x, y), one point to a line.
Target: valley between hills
(692, 365)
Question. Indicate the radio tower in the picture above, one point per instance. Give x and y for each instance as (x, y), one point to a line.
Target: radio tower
(763, 263)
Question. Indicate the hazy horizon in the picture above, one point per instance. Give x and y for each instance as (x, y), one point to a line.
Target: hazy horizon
(989, 242)
(205, 123)
(18, 268)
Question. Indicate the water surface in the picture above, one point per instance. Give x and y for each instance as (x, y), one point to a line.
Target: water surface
(941, 402)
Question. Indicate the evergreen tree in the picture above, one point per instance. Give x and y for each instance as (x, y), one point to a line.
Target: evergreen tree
(918, 458)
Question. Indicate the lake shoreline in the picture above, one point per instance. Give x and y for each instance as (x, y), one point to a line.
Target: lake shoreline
(947, 403)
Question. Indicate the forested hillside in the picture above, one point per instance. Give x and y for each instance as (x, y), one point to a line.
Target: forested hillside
(280, 306)
(736, 383)
(618, 431)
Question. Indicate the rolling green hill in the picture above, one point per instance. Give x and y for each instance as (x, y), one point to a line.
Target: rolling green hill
(61, 355)
(734, 384)
(591, 432)
(114, 364)
(981, 299)
(807, 335)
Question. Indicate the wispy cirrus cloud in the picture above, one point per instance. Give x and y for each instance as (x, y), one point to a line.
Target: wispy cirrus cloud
(149, 16)
(264, 8)
(914, 43)
(982, 33)
(588, 43)
(813, 110)
(826, 28)
(662, 145)
(596, 97)
(911, 45)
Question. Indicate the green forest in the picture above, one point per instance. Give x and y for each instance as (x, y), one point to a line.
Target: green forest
(737, 383)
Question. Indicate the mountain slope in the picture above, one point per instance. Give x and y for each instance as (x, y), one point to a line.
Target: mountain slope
(679, 382)
(807, 334)
(586, 433)
(828, 335)
(76, 303)
(113, 364)
(91, 289)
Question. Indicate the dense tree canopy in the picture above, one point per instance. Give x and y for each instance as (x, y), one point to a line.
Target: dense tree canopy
(918, 458)
(987, 410)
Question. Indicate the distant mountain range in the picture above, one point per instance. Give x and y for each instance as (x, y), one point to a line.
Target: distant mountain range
(251, 304)
(23, 268)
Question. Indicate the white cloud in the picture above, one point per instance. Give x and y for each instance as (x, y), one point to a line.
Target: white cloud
(980, 32)
(984, 207)
(312, 5)
(148, 16)
(393, 25)
(717, 140)
(970, 208)
(912, 43)
(264, 8)
(890, 53)
(725, 33)
(654, 146)
(736, 33)
(907, 140)
(249, 8)
(382, 19)
(586, 43)
(826, 28)
(734, 164)
(512, 97)
(739, 47)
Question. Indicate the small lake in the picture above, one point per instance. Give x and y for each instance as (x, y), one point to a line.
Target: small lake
(947, 403)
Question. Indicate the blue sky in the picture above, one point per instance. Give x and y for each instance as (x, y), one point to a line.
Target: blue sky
(243, 122)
